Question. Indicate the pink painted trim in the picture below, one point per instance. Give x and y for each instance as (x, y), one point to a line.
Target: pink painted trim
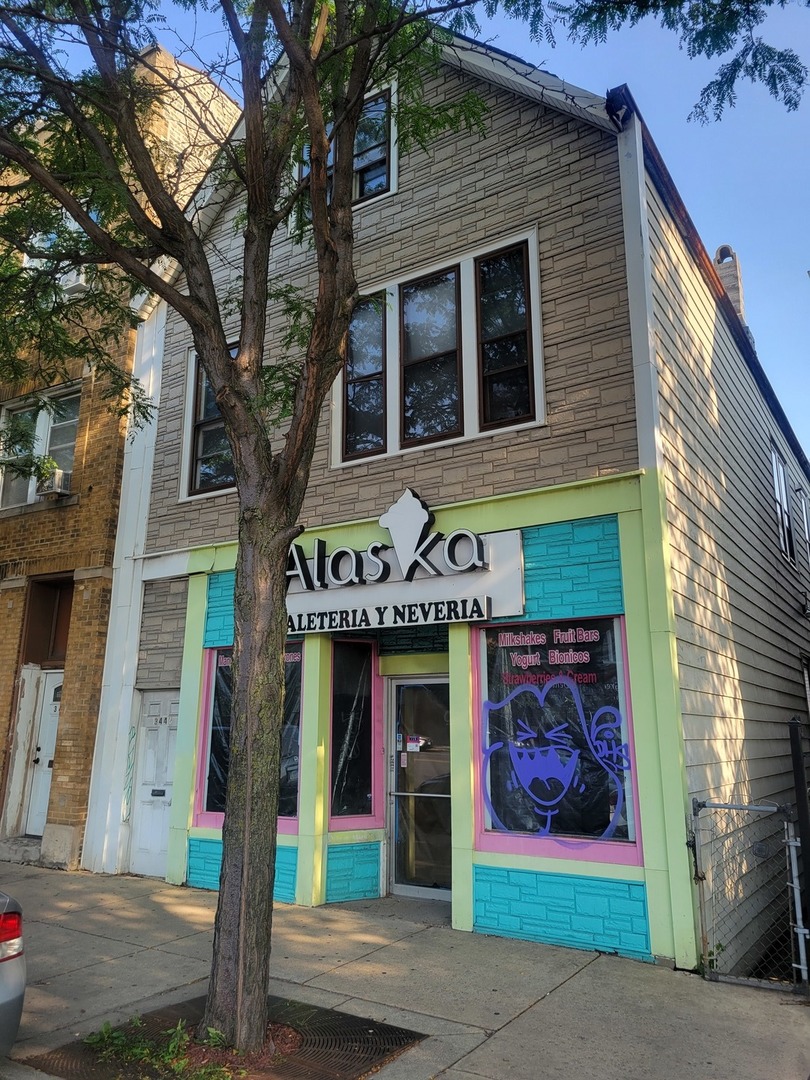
(206, 819)
(376, 819)
(201, 817)
(632, 741)
(618, 853)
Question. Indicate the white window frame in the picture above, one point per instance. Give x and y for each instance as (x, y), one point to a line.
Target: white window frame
(187, 454)
(468, 346)
(358, 205)
(44, 424)
(784, 519)
(805, 520)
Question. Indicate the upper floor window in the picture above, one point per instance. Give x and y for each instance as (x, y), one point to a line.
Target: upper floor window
(461, 359)
(372, 151)
(780, 488)
(805, 522)
(211, 458)
(51, 433)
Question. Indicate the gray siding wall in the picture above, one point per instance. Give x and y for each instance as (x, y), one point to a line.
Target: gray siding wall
(737, 598)
(533, 168)
(160, 652)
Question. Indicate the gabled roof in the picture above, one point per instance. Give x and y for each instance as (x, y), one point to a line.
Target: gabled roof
(509, 72)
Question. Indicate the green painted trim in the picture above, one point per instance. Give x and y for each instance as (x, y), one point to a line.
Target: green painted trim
(563, 502)
(462, 806)
(415, 664)
(313, 791)
(196, 832)
(185, 758)
(560, 866)
(362, 836)
(658, 727)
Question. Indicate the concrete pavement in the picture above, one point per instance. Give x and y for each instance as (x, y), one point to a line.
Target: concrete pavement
(107, 948)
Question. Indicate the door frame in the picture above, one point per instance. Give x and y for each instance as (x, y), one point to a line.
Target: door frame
(389, 736)
(49, 677)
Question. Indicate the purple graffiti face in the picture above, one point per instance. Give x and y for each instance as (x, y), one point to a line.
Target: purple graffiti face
(548, 772)
(544, 772)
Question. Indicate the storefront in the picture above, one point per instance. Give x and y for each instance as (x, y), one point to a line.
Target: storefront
(459, 720)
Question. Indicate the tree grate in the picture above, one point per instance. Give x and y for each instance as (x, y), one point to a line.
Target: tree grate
(335, 1045)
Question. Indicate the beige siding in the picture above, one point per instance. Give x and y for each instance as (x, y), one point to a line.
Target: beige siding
(460, 196)
(160, 653)
(737, 598)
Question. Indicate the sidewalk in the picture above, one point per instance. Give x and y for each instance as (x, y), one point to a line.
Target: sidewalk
(107, 948)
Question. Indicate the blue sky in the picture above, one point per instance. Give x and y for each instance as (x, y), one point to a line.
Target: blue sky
(745, 179)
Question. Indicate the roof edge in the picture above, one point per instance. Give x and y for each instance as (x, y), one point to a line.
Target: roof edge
(622, 104)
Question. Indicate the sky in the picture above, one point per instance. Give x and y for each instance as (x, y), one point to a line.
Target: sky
(745, 179)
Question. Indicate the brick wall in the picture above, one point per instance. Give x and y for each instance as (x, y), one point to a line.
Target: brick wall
(12, 611)
(81, 691)
(72, 537)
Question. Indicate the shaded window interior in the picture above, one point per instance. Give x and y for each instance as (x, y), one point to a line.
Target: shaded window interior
(47, 621)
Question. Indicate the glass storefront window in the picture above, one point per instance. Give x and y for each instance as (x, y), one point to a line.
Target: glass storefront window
(556, 743)
(218, 744)
(352, 734)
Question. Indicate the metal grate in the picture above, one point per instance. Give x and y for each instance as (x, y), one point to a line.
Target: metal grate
(335, 1045)
(743, 870)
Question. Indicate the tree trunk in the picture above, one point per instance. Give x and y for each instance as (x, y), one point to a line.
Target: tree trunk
(237, 996)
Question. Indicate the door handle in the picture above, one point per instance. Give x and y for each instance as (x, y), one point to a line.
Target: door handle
(36, 760)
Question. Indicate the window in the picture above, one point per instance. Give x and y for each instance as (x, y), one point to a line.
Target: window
(431, 383)
(53, 430)
(460, 360)
(220, 732)
(556, 752)
(352, 729)
(372, 151)
(504, 338)
(211, 459)
(364, 384)
(780, 489)
(805, 522)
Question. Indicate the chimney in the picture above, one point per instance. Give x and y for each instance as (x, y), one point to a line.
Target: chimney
(728, 270)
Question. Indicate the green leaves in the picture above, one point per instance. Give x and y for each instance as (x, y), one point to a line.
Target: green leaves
(708, 28)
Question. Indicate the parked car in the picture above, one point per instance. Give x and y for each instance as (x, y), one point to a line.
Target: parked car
(12, 971)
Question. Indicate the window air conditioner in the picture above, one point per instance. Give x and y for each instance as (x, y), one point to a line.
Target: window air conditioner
(58, 483)
(72, 282)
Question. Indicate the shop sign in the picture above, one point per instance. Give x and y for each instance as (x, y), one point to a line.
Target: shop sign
(421, 577)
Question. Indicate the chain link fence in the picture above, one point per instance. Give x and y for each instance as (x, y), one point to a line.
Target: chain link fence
(747, 890)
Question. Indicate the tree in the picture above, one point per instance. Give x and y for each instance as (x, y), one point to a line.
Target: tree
(709, 28)
(86, 184)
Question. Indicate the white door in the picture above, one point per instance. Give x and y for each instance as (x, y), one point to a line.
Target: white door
(157, 735)
(44, 749)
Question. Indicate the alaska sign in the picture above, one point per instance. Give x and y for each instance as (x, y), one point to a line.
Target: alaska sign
(421, 577)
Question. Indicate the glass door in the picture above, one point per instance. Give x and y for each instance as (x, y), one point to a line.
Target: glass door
(420, 859)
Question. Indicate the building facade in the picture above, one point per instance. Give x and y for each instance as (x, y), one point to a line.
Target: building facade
(57, 540)
(545, 570)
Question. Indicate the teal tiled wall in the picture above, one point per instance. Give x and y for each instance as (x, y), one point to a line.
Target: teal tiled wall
(219, 611)
(573, 569)
(602, 914)
(205, 858)
(352, 872)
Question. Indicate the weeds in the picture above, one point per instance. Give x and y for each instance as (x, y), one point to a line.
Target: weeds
(158, 1056)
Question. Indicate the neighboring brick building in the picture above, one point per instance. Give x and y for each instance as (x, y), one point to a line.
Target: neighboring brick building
(509, 706)
(56, 559)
